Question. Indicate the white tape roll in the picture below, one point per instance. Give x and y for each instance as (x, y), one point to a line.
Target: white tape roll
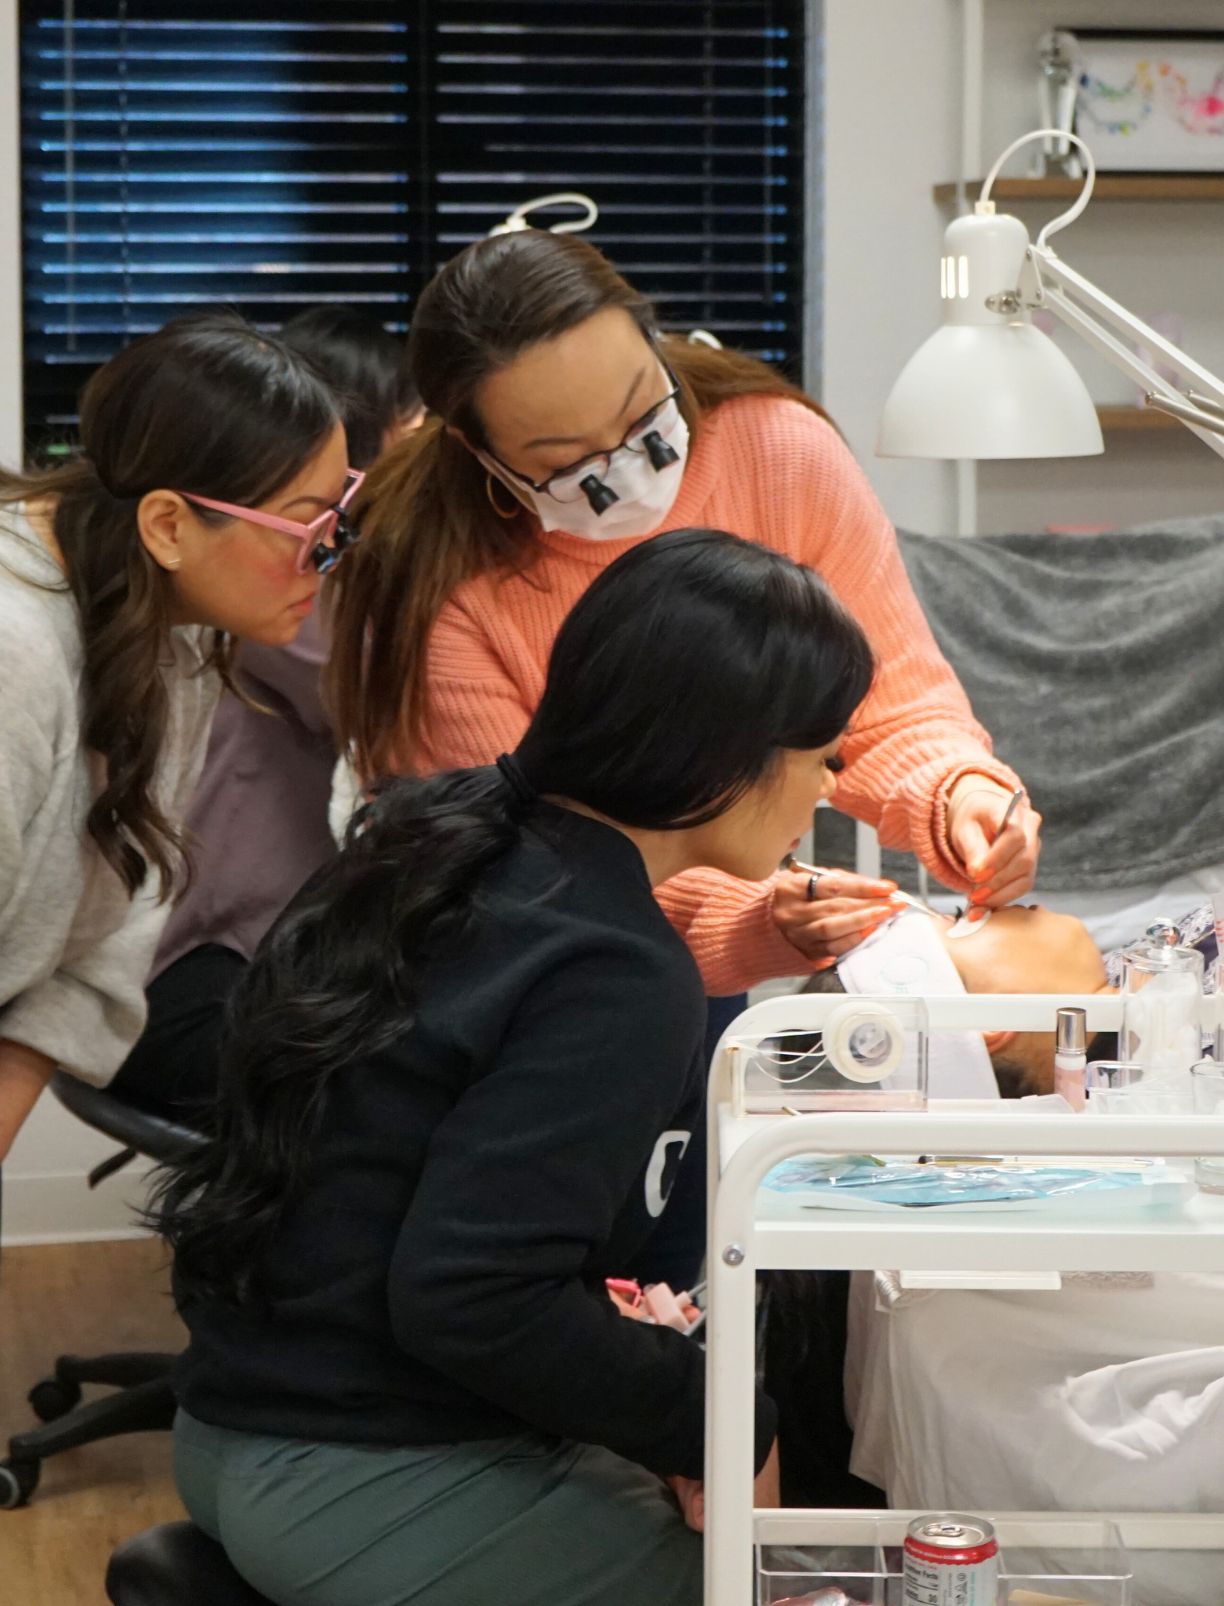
(864, 1042)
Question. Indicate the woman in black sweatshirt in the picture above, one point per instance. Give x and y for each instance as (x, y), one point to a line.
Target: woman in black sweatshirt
(459, 1077)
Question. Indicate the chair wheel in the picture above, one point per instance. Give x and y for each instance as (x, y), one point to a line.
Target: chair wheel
(18, 1481)
(51, 1399)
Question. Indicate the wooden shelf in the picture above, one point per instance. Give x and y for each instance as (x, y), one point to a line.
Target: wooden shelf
(1109, 187)
(1133, 418)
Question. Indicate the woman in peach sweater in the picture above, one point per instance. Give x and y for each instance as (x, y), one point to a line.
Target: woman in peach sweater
(534, 356)
(563, 430)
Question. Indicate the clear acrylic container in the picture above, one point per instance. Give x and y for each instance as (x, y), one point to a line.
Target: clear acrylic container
(1207, 1079)
(1118, 1088)
(870, 1054)
(1041, 1563)
(862, 1570)
(1083, 1561)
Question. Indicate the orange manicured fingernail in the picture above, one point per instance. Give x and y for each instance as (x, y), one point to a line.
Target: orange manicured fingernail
(975, 915)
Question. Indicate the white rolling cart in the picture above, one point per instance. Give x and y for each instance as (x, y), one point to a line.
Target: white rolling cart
(751, 1232)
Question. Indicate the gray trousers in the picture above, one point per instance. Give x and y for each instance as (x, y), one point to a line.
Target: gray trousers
(498, 1522)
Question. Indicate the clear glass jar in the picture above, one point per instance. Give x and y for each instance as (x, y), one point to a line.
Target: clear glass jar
(1162, 1003)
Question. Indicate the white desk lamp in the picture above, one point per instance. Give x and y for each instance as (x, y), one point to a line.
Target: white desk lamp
(990, 385)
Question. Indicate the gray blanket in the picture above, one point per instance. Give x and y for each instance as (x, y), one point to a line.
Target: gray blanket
(1097, 665)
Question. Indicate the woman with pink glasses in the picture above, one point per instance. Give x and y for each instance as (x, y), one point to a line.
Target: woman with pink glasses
(205, 504)
(259, 816)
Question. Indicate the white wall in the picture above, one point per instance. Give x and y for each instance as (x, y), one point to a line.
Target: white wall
(892, 120)
(1153, 257)
(46, 1198)
(893, 96)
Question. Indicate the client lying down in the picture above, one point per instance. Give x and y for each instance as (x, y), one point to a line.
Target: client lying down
(1015, 951)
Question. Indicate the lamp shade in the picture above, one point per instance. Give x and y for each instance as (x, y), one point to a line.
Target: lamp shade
(987, 384)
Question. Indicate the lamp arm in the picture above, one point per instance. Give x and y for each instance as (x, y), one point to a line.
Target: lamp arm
(1099, 320)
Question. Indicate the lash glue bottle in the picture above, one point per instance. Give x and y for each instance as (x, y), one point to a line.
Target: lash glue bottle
(1071, 1056)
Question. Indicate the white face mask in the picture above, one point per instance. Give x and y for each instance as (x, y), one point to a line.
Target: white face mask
(644, 495)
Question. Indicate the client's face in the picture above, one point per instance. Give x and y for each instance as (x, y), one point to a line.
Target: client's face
(1029, 951)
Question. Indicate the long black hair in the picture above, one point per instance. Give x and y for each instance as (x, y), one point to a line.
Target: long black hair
(673, 686)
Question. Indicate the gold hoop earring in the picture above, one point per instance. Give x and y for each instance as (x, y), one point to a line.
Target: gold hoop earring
(501, 512)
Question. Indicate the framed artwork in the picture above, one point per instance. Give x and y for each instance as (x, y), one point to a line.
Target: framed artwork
(1149, 102)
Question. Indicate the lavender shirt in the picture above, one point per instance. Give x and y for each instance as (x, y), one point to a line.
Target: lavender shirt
(259, 813)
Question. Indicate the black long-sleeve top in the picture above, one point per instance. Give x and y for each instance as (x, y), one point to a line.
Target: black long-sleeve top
(441, 1277)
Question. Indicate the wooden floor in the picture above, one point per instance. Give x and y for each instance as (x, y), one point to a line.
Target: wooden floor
(80, 1298)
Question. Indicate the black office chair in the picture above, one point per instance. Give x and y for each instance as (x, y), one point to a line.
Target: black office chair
(143, 1399)
(176, 1565)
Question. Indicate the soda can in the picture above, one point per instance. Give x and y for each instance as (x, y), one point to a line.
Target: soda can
(950, 1560)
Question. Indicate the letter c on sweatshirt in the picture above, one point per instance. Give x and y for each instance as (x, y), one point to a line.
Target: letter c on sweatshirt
(661, 1172)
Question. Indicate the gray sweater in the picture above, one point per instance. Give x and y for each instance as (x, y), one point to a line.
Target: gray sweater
(74, 948)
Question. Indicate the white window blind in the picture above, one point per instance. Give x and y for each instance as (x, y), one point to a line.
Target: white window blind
(179, 153)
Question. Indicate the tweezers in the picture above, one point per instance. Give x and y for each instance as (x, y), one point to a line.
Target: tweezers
(917, 903)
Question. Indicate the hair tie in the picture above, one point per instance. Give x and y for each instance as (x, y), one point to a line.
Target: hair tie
(511, 771)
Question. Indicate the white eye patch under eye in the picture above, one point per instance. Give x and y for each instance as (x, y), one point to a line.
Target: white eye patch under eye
(969, 928)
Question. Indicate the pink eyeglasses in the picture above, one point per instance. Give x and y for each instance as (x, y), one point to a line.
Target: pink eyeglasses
(324, 540)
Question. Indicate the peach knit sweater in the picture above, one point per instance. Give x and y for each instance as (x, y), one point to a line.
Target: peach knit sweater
(775, 472)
